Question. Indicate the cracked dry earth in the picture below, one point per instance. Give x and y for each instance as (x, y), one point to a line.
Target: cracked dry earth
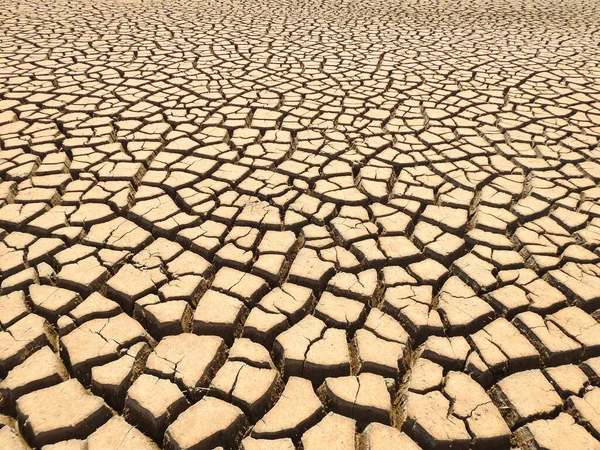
(269, 225)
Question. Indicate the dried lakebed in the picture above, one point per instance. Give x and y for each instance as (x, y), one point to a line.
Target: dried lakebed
(299, 225)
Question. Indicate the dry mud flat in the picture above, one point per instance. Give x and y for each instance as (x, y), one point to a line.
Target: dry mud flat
(299, 225)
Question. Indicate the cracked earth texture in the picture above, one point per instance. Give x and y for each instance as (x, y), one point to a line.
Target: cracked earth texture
(299, 224)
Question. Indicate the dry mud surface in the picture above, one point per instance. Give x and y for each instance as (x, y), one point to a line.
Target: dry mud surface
(299, 224)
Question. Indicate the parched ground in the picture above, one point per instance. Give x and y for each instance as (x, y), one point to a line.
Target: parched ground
(299, 224)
